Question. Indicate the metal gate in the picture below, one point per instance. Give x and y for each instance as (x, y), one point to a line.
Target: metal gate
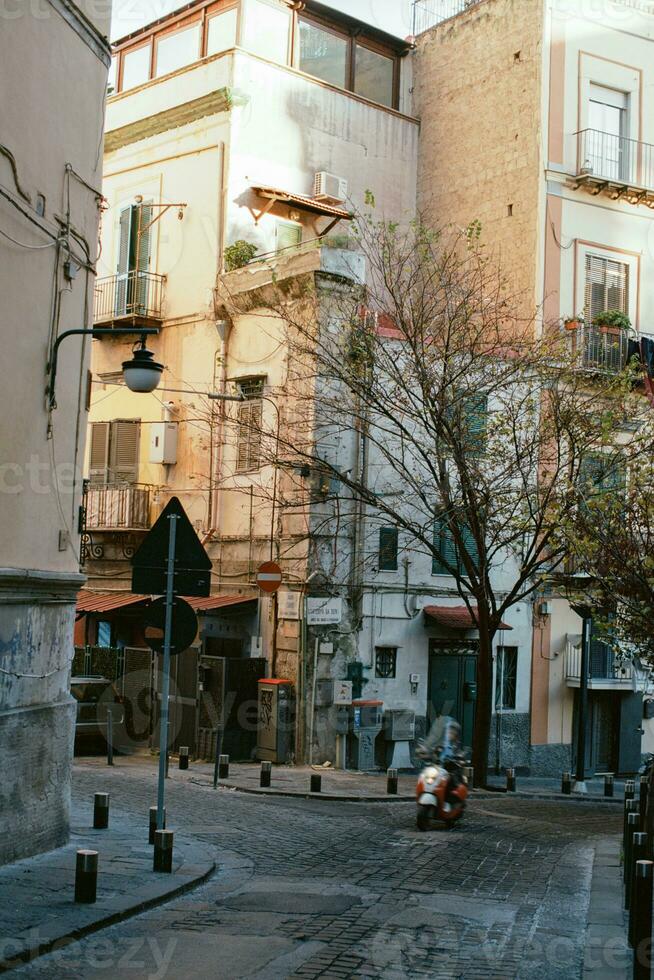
(183, 701)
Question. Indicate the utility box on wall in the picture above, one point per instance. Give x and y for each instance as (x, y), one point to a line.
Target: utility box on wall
(163, 443)
(276, 720)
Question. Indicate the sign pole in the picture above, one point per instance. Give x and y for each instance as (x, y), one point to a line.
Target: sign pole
(165, 681)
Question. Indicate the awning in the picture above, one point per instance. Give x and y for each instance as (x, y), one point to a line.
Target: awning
(456, 617)
(303, 201)
(212, 602)
(89, 601)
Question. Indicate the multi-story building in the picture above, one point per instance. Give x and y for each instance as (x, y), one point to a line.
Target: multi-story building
(232, 129)
(50, 175)
(542, 129)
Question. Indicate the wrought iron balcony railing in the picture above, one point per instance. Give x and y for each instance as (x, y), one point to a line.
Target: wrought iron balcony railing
(599, 348)
(604, 665)
(429, 13)
(130, 294)
(117, 508)
(615, 159)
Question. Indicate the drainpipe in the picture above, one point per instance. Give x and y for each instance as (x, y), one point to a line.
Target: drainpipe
(220, 380)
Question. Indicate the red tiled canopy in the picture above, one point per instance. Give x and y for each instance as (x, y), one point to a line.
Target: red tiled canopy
(89, 601)
(456, 617)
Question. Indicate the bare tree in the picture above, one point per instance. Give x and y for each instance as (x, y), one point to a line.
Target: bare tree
(422, 401)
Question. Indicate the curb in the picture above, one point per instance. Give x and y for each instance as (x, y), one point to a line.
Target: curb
(64, 938)
(403, 798)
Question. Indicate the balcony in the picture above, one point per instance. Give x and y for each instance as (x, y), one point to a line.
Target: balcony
(619, 167)
(607, 672)
(429, 13)
(118, 508)
(598, 349)
(133, 296)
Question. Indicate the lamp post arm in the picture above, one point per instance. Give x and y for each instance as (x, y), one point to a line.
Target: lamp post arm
(86, 332)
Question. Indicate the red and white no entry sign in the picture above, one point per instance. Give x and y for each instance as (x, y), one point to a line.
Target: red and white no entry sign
(269, 576)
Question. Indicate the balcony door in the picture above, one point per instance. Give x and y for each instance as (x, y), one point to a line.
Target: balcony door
(608, 147)
(134, 253)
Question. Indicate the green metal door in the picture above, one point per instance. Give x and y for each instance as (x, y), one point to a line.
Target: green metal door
(452, 679)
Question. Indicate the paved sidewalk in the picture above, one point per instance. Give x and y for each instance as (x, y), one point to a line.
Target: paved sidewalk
(37, 908)
(607, 954)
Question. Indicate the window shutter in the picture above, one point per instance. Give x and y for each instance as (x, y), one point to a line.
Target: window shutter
(388, 542)
(124, 241)
(607, 286)
(250, 419)
(444, 546)
(99, 452)
(288, 235)
(125, 437)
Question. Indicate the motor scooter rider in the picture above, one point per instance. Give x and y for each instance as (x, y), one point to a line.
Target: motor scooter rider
(444, 743)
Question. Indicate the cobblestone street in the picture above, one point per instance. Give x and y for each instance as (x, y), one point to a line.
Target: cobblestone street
(311, 888)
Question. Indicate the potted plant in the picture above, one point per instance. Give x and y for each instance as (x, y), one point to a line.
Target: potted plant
(573, 322)
(612, 321)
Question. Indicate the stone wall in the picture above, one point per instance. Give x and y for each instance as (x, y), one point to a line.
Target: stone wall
(478, 96)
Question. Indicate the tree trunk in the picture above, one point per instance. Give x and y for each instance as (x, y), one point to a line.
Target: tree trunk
(484, 708)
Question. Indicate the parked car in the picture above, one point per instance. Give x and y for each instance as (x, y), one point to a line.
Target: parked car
(96, 697)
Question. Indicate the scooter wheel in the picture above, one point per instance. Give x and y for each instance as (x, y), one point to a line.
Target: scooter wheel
(423, 817)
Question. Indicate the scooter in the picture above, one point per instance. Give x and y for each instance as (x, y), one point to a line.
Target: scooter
(442, 788)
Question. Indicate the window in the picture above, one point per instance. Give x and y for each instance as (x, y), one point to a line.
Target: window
(374, 75)
(388, 544)
(344, 59)
(607, 148)
(287, 235)
(602, 474)
(104, 634)
(114, 452)
(385, 662)
(445, 546)
(177, 49)
(250, 415)
(468, 417)
(221, 31)
(267, 30)
(607, 285)
(323, 53)
(132, 281)
(136, 67)
(506, 675)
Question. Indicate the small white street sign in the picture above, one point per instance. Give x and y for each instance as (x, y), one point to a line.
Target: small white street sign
(342, 692)
(324, 612)
(288, 604)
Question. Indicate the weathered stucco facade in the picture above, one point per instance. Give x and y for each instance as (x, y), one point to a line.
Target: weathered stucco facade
(56, 60)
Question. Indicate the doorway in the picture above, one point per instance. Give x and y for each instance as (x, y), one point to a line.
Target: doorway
(452, 685)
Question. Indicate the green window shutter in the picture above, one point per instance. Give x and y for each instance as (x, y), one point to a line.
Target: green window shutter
(470, 546)
(476, 415)
(444, 548)
(288, 235)
(388, 547)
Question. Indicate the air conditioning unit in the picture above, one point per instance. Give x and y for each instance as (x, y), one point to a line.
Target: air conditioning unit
(329, 187)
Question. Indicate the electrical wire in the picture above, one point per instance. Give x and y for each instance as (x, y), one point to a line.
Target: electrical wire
(37, 677)
(23, 245)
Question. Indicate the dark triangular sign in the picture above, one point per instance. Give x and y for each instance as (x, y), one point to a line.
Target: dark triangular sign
(192, 563)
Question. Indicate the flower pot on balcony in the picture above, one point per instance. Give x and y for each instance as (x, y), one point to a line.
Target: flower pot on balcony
(572, 324)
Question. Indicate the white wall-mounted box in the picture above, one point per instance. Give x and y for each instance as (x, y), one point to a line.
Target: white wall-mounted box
(163, 442)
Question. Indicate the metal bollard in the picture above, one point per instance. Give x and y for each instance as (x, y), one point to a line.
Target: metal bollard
(86, 876)
(510, 780)
(629, 807)
(638, 853)
(633, 821)
(183, 757)
(632, 828)
(391, 782)
(469, 773)
(223, 767)
(644, 793)
(629, 789)
(153, 823)
(101, 811)
(266, 775)
(163, 851)
(608, 784)
(110, 737)
(566, 783)
(642, 913)
(316, 782)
